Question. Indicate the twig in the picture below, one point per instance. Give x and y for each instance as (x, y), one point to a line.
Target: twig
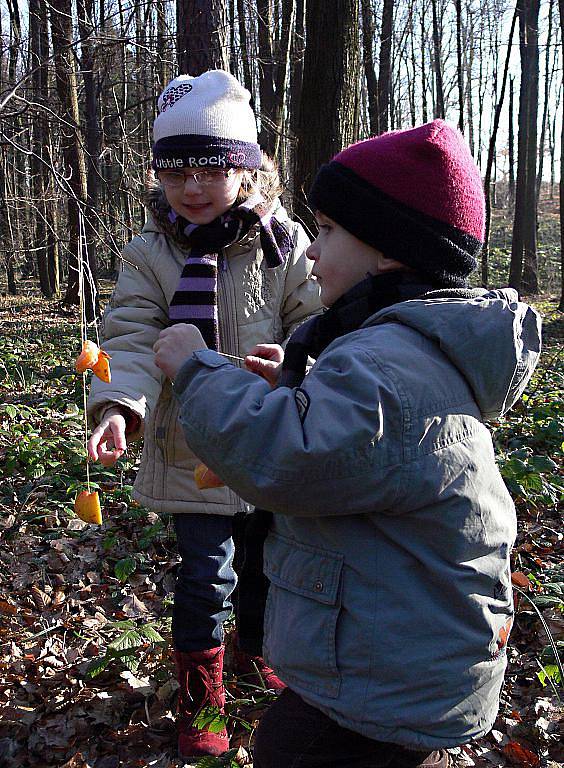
(546, 629)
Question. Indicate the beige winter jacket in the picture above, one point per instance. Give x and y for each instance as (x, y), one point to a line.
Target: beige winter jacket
(255, 304)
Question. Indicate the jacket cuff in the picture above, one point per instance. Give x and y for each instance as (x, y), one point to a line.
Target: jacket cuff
(132, 419)
(203, 357)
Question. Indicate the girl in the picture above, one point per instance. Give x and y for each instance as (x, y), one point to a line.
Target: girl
(390, 599)
(218, 251)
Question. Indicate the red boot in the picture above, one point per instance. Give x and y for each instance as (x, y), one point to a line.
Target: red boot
(255, 666)
(200, 674)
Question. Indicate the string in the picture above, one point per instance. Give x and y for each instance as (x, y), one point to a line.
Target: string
(83, 333)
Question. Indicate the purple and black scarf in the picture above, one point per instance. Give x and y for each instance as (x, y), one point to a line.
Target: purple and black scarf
(195, 299)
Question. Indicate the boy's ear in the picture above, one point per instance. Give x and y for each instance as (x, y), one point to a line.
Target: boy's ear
(387, 265)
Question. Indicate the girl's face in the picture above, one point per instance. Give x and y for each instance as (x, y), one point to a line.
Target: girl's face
(201, 198)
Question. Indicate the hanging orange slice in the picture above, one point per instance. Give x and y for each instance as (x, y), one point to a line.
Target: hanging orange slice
(96, 359)
(88, 357)
(205, 478)
(101, 368)
(87, 507)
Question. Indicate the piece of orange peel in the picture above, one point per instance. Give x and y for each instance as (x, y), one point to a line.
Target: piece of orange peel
(205, 478)
(96, 359)
(87, 507)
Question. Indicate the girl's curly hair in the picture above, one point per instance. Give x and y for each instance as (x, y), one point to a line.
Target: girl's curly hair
(265, 179)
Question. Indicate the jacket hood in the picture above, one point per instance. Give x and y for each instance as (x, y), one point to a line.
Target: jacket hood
(491, 337)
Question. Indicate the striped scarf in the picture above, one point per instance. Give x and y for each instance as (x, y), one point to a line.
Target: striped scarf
(195, 299)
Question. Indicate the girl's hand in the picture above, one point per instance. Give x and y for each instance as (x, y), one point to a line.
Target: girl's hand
(175, 345)
(107, 442)
(266, 361)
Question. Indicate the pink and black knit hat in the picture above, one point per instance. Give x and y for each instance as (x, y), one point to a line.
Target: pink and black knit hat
(415, 195)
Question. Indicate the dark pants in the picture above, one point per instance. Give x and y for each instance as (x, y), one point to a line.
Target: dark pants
(292, 734)
(205, 580)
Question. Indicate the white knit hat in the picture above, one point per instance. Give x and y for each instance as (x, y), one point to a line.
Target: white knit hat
(205, 122)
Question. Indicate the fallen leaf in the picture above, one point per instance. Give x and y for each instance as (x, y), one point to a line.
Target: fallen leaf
(133, 607)
(520, 755)
(8, 608)
(519, 579)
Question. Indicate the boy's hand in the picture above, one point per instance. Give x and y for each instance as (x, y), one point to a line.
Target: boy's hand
(266, 360)
(107, 442)
(175, 345)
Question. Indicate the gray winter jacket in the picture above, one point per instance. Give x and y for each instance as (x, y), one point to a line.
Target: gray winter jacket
(255, 304)
(390, 598)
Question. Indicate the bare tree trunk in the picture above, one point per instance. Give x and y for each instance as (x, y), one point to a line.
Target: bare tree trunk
(75, 166)
(491, 155)
(266, 75)
(511, 142)
(9, 239)
(85, 12)
(163, 75)
(523, 268)
(423, 67)
(552, 139)
(459, 70)
(298, 52)
(547, 86)
(438, 66)
(530, 281)
(39, 51)
(384, 73)
(469, 63)
(369, 68)
(561, 305)
(283, 72)
(329, 102)
(202, 40)
(244, 44)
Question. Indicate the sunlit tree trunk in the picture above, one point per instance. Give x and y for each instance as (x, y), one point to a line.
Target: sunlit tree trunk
(437, 64)
(74, 161)
(491, 155)
(384, 72)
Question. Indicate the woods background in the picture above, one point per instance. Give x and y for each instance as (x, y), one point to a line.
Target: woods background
(86, 670)
(79, 81)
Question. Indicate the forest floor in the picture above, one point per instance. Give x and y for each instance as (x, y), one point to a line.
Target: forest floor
(86, 673)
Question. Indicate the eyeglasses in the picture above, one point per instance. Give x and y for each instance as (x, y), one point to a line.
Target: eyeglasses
(177, 179)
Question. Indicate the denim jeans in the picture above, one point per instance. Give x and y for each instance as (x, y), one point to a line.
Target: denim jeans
(293, 734)
(205, 580)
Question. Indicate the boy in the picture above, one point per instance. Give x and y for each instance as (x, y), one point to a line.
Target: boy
(388, 554)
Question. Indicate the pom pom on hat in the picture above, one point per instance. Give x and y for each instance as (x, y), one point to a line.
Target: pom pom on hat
(415, 195)
(205, 122)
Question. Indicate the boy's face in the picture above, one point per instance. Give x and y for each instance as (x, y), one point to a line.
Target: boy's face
(341, 259)
(202, 203)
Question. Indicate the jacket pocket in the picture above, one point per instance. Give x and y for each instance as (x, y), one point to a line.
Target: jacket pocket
(302, 610)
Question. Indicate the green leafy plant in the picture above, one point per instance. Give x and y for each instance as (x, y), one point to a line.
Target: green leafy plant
(125, 647)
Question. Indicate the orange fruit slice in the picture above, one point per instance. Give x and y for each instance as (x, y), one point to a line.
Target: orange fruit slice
(101, 367)
(87, 357)
(96, 359)
(205, 478)
(87, 507)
